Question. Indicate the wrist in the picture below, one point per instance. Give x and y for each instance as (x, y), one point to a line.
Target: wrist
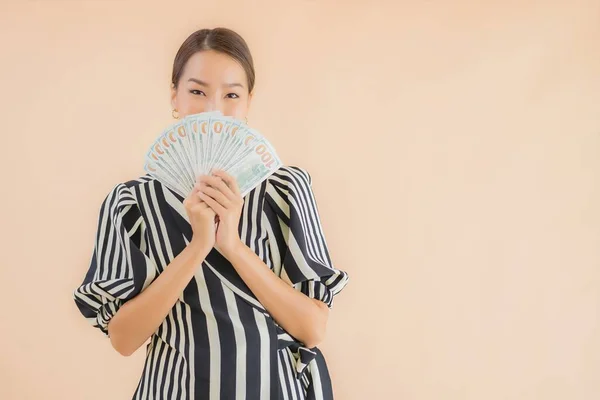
(199, 248)
(235, 248)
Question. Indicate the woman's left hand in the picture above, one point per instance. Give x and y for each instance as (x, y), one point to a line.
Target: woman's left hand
(222, 194)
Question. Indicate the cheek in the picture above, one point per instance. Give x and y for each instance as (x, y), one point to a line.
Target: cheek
(192, 104)
(237, 110)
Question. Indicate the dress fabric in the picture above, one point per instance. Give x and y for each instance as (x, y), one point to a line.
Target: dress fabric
(218, 342)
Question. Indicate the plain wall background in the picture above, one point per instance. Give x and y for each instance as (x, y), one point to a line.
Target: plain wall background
(454, 148)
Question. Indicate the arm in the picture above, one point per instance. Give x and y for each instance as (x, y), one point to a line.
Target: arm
(301, 316)
(139, 317)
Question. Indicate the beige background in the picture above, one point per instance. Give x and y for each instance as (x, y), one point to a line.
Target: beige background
(454, 148)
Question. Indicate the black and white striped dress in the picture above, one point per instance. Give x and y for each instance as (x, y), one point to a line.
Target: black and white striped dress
(218, 341)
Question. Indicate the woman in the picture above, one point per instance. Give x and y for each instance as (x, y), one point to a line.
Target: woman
(233, 309)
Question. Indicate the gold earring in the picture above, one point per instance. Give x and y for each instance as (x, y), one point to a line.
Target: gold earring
(173, 114)
(246, 120)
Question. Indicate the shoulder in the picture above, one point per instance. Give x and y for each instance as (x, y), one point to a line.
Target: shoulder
(142, 180)
(290, 186)
(292, 176)
(126, 192)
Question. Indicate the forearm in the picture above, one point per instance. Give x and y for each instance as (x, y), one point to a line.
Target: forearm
(140, 317)
(301, 316)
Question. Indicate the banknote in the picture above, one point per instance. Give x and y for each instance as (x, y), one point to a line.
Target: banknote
(200, 143)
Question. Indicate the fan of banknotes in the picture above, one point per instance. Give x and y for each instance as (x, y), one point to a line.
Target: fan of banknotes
(200, 143)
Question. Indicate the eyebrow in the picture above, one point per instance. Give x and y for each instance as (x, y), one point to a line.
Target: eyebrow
(202, 83)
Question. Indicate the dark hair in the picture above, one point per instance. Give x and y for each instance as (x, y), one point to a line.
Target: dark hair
(218, 39)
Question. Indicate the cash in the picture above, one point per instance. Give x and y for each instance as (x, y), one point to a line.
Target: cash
(200, 143)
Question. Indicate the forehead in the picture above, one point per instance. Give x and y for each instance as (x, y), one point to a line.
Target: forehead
(211, 66)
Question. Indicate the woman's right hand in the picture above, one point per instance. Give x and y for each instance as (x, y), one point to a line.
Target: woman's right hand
(202, 218)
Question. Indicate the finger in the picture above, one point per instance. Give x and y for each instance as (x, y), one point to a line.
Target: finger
(229, 180)
(198, 199)
(218, 183)
(195, 199)
(217, 195)
(197, 184)
(217, 208)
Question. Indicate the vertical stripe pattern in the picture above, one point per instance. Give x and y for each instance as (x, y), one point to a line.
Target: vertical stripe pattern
(218, 341)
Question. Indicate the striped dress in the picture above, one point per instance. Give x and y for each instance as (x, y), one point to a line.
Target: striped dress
(218, 341)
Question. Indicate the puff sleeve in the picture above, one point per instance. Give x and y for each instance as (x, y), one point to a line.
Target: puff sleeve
(306, 261)
(119, 268)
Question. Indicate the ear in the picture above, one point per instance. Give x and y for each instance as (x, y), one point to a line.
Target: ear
(250, 95)
(173, 97)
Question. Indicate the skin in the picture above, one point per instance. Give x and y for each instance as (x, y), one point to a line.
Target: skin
(214, 81)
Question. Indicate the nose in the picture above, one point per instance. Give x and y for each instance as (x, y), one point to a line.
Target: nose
(214, 104)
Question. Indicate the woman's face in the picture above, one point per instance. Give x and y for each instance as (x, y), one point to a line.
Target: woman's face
(212, 81)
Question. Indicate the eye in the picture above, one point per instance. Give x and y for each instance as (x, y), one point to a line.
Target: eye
(197, 92)
(234, 94)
